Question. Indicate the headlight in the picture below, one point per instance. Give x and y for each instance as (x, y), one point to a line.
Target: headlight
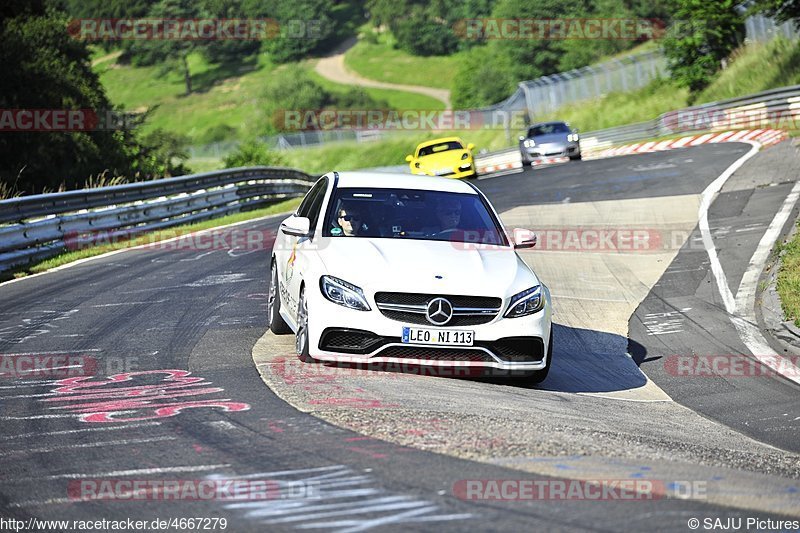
(573, 137)
(529, 143)
(464, 156)
(526, 302)
(340, 292)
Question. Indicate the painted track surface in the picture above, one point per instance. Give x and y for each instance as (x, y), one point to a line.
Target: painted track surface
(193, 310)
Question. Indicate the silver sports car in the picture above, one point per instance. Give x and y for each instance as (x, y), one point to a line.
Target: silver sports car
(548, 140)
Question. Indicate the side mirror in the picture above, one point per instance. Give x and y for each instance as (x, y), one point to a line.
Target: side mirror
(470, 146)
(409, 158)
(574, 130)
(524, 238)
(296, 226)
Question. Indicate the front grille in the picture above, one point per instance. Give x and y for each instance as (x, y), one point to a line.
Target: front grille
(435, 354)
(411, 298)
(349, 341)
(456, 321)
(467, 310)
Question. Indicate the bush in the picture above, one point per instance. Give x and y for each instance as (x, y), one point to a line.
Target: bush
(253, 154)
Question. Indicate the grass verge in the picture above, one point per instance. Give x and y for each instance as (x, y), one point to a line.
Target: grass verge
(146, 238)
(788, 284)
(379, 60)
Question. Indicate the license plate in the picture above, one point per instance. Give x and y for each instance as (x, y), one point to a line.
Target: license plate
(439, 337)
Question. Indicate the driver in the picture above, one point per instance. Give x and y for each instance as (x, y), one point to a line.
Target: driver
(349, 219)
(448, 215)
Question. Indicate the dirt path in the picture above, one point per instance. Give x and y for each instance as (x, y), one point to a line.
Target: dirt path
(333, 68)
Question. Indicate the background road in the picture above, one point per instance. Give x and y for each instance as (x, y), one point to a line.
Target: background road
(597, 416)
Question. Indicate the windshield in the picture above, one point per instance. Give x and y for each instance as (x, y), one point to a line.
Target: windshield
(547, 129)
(412, 214)
(441, 147)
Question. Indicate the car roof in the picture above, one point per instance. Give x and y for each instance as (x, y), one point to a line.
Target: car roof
(547, 123)
(391, 180)
(441, 140)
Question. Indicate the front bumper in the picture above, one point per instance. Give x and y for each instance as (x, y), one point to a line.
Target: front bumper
(550, 150)
(466, 170)
(339, 334)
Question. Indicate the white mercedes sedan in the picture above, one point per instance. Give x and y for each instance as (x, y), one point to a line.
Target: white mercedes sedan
(401, 269)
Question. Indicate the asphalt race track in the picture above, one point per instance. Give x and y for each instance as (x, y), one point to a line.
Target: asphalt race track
(389, 451)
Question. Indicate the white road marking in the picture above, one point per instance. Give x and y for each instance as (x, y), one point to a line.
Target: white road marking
(745, 321)
(706, 198)
(131, 303)
(123, 473)
(51, 353)
(219, 279)
(37, 434)
(37, 417)
(741, 309)
(341, 493)
(51, 449)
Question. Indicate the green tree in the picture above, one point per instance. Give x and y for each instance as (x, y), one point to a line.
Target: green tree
(484, 77)
(169, 53)
(695, 51)
(45, 68)
(423, 35)
(304, 24)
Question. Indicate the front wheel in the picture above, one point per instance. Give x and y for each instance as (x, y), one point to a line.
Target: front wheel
(301, 337)
(577, 157)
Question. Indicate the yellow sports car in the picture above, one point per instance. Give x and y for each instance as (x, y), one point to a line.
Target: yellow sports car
(448, 157)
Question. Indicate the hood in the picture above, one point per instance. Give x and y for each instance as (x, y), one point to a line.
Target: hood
(412, 266)
(448, 158)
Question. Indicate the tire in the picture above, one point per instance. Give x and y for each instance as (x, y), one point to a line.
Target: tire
(277, 324)
(575, 157)
(524, 157)
(301, 343)
(540, 375)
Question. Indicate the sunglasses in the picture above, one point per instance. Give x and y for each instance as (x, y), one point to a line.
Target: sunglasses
(450, 212)
(348, 218)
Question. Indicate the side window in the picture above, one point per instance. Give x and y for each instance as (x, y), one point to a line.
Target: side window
(317, 190)
(316, 205)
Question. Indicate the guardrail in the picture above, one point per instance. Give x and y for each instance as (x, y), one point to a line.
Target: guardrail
(775, 108)
(123, 211)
